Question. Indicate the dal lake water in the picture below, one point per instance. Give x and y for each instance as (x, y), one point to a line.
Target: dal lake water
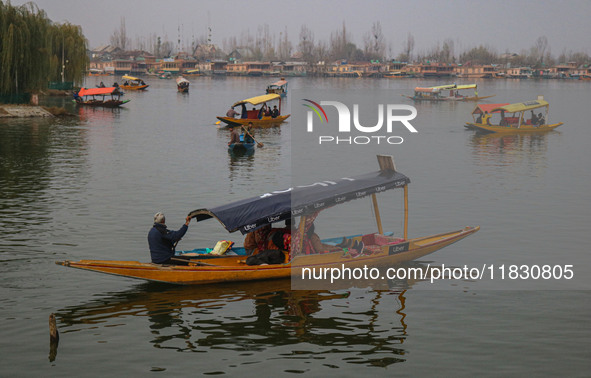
(86, 187)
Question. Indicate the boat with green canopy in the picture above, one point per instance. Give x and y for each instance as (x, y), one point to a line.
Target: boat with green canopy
(440, 93)
(304, 202)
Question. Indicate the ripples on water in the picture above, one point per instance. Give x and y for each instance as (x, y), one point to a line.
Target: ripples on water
(243, 324)
(87, 187)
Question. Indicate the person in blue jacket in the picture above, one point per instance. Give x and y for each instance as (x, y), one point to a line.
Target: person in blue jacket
(162, 241)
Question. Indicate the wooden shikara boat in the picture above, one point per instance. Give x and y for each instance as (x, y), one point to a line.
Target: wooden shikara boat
(513, 118)
(304, 202)
(438, 93)
(195, 72)
(88, 97)
(255, 115)
(182, 84)
(133, 83)
(278, 87)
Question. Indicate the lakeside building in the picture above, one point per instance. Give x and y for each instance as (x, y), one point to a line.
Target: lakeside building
(109, 59)
(487, 71)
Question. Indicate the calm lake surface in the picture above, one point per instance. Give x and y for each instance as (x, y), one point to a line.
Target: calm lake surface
(86, 187)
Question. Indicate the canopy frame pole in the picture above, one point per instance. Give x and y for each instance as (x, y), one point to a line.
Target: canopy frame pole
(405, 212)
(376, 210)
(521, 118)
(302, 228)
(546, 120)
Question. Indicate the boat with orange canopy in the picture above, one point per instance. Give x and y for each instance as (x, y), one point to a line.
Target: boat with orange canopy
(98, 97)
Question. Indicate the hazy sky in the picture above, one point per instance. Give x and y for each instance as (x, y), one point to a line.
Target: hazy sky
(501, 24)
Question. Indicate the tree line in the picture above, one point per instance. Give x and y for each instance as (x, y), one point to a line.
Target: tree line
(265, 45)
(34, 50)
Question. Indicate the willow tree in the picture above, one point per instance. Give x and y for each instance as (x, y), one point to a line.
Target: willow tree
(32, 49)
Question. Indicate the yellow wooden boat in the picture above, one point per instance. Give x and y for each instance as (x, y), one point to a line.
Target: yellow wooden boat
(256, 116)
(513, 118)
(304, 202)
(438, 93)
(133, 83)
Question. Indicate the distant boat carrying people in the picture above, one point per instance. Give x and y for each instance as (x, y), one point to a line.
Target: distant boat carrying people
(278, 87)
(182, 84)
(264, 116)
(107, 97)
(133, 83)
(512, 118)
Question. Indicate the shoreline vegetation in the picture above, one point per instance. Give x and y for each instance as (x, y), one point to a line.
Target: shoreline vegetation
(36, 51)
(40, 56)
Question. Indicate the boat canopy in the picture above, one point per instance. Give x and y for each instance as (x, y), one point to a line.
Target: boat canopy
(491, 108)
(249, 214)
(445, 87)
(466, 86)
(279, 83)
(427, 89)
(181, 79)
(523, 106)
(127, 77)
(97, 91)
(258, 100)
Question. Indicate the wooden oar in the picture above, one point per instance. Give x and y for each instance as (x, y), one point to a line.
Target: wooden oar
(258, 143)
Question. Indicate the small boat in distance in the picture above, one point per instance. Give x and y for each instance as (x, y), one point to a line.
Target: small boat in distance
(133, 83)
(97, 72)
(88, 97)
(256, 116)
(438, 93)
(303, 202)
(397, 75)
(165, 75)
(278, 87)
(512, 118)
(194, 72)
(182, 84)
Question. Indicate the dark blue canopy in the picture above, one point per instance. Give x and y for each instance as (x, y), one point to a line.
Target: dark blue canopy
(249, 214)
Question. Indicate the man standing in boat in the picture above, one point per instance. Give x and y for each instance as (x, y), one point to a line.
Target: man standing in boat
(162, 241)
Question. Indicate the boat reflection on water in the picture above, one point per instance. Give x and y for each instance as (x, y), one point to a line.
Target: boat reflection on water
(362, 324)
(509, 148)
(99, 115)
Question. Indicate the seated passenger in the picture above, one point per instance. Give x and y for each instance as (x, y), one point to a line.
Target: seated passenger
(313, 244)
(275, 112)
(257, 240)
